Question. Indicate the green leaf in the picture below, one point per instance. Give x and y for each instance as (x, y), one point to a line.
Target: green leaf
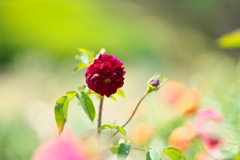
(113, 97)
(114, 148)
(114, 122)
(174, 154)
(106, 126)
(84, 88)
(123, 151)
(61, 110)
(153, 154)
(98, 96)
(82, 57)
(120, 129)
(91, 56)
(59, 113)
(80, 66)
(65, 106)
(87, 105)
(102, 51)
(70, 93)
(163, 81)
(82, 50)
(120, 93)
(148, 157)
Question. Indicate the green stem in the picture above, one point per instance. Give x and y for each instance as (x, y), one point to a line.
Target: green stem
(130, 118)
(135, 110)
(139, 149)
(100, 115)
(143, 150)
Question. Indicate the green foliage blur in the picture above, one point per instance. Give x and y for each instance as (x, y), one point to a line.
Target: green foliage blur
(179, 39)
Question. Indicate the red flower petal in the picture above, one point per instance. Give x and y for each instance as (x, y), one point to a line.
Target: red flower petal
(105, 75)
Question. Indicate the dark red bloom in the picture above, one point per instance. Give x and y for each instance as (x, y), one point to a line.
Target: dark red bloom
(105, 75)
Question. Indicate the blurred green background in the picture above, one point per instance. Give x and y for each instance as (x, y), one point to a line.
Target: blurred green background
(39, 39)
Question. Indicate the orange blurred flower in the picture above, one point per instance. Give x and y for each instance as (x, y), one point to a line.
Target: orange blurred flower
(188, 103)
(171, 91)
(141, 133)
(181, 137)
(186, 100)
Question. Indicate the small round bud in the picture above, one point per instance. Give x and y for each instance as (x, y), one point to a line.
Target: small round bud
(154, 83)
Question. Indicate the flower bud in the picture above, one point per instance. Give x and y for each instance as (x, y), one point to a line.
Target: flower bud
(155, 83)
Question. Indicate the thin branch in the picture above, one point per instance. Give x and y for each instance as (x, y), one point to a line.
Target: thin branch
(143, 150)
(130, 118)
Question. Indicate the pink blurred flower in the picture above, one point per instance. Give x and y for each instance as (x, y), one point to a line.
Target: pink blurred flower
(105, 75)
(209, 124)
(66, 147)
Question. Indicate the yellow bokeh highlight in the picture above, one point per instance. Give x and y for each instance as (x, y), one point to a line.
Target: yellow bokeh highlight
(230, 40)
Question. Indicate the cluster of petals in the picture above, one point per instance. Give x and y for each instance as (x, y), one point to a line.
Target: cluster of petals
(105, 75)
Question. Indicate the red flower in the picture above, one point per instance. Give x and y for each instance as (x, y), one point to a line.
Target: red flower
(105, 75)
